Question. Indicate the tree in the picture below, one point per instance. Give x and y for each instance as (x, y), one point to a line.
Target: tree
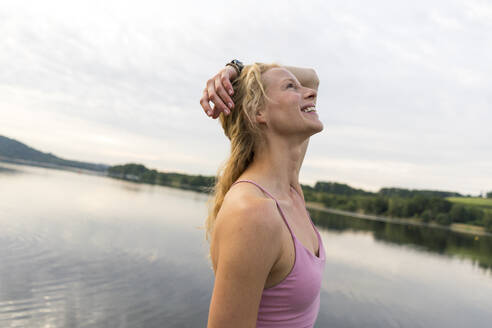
(338, 189)
(395, 207)
(443, 219)
(149, 176)
(162, 179)
(427, 216)
(487, 221)
(380, 205)
(439, 205)
(458, 213)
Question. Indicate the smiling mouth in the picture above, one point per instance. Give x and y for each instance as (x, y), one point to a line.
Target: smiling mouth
(308, 109)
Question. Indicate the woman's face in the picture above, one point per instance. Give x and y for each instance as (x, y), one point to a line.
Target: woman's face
(285, 113)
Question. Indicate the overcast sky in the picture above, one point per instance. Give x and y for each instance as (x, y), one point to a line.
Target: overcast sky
(405, 93)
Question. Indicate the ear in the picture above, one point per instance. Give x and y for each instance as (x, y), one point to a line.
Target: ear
(261, 117)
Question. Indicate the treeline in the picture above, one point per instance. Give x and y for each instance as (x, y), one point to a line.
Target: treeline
(336, 188)
(345, 190)
(425, 205)
(406, 193)
(139, 173)
(428, 209)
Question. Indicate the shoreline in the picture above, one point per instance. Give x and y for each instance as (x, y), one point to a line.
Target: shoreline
(53, 166)
(456, 227)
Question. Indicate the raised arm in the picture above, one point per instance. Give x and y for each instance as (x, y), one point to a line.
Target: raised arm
(306, 76)
(219, 88)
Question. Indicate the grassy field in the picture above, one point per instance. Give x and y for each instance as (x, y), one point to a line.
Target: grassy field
(467, 228)
(485, 203)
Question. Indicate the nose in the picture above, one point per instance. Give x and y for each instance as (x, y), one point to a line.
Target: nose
(310, 93)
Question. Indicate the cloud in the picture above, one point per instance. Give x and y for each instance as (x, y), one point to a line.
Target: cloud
(401, 83)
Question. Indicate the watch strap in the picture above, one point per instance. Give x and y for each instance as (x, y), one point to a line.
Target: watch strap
(238, 66)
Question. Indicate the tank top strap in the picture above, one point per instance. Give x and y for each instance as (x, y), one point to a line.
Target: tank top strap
(271, 196)
(309, 215)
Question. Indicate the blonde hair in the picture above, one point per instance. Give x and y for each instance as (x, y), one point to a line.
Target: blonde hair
(243, 132)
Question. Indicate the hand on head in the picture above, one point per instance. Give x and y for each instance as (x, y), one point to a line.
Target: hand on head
(219, 91)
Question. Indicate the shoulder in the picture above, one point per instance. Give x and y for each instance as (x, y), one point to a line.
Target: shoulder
(246, 206)
(246, 221)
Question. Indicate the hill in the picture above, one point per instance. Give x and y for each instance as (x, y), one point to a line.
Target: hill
(14, 151)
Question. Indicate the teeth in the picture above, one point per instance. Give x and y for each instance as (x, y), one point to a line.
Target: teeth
(309, 109)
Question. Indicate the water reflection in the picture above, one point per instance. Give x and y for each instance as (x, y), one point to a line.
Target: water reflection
(6, 170)
(370, 281)
(478, 249)
(88, 251)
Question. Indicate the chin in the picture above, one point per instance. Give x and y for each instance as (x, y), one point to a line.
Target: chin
(314, 131)
(317, 128)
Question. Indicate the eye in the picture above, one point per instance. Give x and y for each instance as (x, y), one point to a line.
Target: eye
(291, 85)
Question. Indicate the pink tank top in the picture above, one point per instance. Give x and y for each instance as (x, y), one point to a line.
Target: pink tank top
(295, 301)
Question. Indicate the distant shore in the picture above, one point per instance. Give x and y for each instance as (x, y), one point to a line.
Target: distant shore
(456, 227)
(50, 166)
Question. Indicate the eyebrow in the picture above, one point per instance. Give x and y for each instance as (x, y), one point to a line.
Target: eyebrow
(291, 79)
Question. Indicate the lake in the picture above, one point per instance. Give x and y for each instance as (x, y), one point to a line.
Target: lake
(78, 250)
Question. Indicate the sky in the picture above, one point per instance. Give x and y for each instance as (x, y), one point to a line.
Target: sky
(405, 94)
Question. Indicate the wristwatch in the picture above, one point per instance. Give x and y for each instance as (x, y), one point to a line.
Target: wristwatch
(238, 66)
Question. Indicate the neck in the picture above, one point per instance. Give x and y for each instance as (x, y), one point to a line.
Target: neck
(276, 166)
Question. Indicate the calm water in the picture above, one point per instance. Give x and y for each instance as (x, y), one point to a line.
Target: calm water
(86, 251)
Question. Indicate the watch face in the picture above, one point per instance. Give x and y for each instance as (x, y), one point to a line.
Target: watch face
(238, 63)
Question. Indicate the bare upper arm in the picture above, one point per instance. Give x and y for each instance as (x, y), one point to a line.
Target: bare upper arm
(306, 76)
(246, 246)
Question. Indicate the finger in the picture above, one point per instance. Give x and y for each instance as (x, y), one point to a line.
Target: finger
(226, 82)
(205, 104)
(219, 106)
(216, 114)
(219, 88)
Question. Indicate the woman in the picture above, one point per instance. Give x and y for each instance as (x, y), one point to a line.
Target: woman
(267, 256)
